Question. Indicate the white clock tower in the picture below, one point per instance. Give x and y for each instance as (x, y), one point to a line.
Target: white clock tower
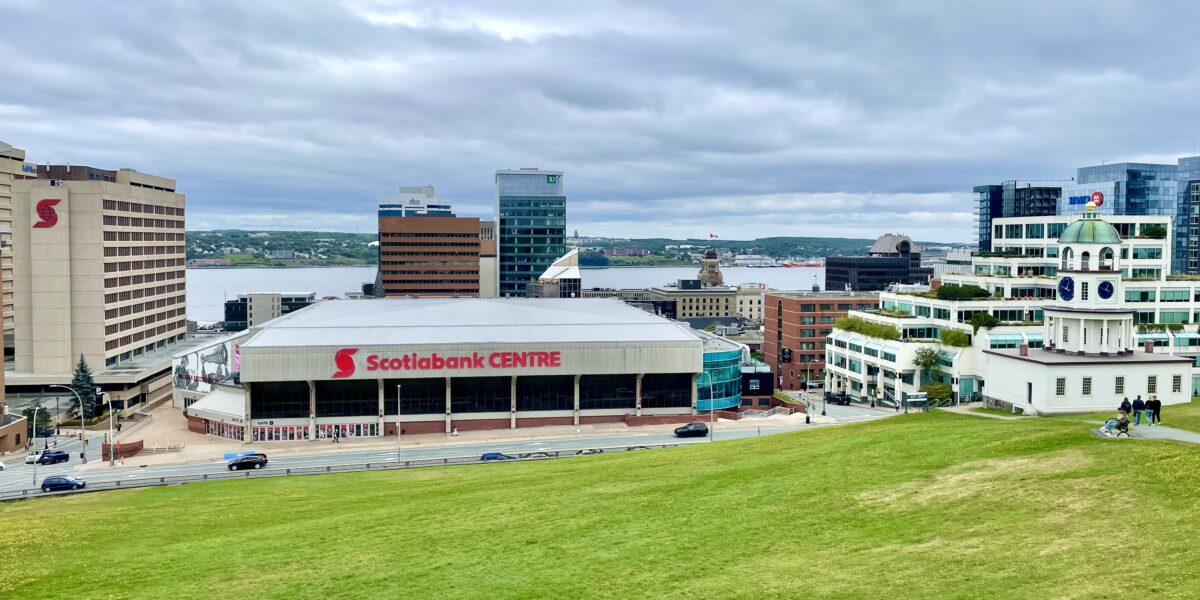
(1088, 318)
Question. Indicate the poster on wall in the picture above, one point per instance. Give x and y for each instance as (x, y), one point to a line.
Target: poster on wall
(209, 365)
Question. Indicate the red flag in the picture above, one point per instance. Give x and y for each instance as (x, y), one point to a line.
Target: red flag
(712, 236)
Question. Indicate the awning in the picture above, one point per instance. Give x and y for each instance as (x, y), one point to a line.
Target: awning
(223, 405)
(891, 350)
(873, 346)
(1034, 337)
(1005, 337)
(1158, 335)
(837, 335)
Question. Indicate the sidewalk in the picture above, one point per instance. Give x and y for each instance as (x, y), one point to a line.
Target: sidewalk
(1157, 432)
(965, 409)
(170, 427)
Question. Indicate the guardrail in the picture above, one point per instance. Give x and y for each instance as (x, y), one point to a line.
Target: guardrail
(100, 486)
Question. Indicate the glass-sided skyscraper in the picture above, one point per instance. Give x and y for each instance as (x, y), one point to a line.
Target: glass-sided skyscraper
(1187, 217)
(1129, 189)
(531, 217)
(1013, 198)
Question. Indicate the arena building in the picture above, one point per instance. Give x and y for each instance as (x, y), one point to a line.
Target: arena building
(357, 368)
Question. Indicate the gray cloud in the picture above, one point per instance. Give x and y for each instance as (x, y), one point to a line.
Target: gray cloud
(670, 118)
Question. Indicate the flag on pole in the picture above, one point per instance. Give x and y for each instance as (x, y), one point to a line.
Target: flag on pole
(712, 236)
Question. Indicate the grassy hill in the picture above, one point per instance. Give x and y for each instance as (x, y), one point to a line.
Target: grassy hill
(916, 506)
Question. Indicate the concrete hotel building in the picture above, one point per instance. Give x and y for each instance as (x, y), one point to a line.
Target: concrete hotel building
(342, 366)
(531, 212)
(800, 322)
(12, 167)
(98, 271)
(424, 249)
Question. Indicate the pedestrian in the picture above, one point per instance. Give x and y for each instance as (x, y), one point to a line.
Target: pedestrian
(1139, 408)
(1126, 406)
(454, 430)
(1154, 412)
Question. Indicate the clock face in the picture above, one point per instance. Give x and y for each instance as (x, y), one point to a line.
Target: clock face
(1066, 289)
(1105, 289)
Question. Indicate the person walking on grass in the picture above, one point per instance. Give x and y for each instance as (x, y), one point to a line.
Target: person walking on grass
(1139, 407)
(1154, 410)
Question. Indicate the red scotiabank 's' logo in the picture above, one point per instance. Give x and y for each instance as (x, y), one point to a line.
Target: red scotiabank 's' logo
(344, 359)
(1097, 198)
(46, 212)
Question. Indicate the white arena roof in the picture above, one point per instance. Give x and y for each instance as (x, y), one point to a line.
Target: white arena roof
(413, 321)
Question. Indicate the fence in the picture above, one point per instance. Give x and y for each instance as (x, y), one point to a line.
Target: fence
(316, 470)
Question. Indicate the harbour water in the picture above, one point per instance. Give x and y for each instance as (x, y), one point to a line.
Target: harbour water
(207, 289)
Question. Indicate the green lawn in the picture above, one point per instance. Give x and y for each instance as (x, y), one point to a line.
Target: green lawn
(996, 411)
(916, 506)
(1183, 416)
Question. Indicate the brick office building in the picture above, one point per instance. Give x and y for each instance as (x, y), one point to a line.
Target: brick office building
(424, 249)
(799, 322)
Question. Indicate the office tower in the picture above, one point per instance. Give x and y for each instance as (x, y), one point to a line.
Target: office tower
(98, 271)
(891, 259)
(12, 167)
(1014, 198)
(531, 214)
(424, 249)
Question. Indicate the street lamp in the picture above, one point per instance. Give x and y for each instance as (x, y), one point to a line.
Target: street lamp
(712, 409)
(36, 407)
(397, 424)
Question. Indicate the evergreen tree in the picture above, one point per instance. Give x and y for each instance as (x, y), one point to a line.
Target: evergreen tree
(85, 386)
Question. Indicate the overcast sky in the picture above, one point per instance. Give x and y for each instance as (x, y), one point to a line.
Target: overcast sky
(669, 118)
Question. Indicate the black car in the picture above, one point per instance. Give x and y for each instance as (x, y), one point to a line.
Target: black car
(249, 461)
(56, 483)
(51, 457)
(841, 399)
(692, 430)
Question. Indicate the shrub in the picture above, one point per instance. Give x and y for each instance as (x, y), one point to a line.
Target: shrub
(984, 320)
(951, 337)
(961, 292)
(1157, 232)
(939, 393)
(867, 328)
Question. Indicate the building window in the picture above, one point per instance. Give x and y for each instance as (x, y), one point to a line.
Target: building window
(1064, 335)
(1152, 384)
(1177, 383)
(1083, 292)
(1060, 387)
(1087, 386)
(1119, 388)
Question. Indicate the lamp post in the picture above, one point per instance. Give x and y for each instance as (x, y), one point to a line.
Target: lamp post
(712, 411)
(397, 424)
(36, 407)
(82, 415)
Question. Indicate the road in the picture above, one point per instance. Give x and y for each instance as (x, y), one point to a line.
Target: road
(18, 476)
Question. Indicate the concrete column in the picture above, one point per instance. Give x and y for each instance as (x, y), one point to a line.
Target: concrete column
(577, 399)
(449, 417)
(1104, 336)
(638, 394)
(312, 410)
(381, 416)
(246, 430)
(695, 392)
(512, 411)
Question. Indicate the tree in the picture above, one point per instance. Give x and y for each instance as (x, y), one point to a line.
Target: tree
(984, 320)
(1157, 232)
(85, 386)
(43, 420)
(961, 292)
(939, 394)
(589, 258)
(926, 359)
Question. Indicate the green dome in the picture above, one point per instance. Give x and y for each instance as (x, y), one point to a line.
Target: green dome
(1090, 230)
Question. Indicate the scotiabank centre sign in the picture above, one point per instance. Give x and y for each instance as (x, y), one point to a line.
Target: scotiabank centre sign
(346, 362)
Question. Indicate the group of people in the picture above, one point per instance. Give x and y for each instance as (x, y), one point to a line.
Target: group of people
(1150, 410)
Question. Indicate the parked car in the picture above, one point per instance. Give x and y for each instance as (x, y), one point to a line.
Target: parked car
(51, 457)
(587, 451)
(490, 456)
(249, 461)
(696, 429)
(56, 483)
(537, 454)
(841, 399)
(32, 457)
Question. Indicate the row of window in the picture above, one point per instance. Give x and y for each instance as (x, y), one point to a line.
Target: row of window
(141, 335)
(150, 209)
(142, 236)
(829, 307)
(125, 311)
(427, 244)
(141, 250)
(429, 253)
(137, 265)
(426, 234)
(113, 282)
(136, 352)
(143, 321)
(135, 294)
(432, 272)
(1060, 386)
(142, 222)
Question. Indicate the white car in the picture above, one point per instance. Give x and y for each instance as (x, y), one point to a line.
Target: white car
(1, 466)
(31, 458)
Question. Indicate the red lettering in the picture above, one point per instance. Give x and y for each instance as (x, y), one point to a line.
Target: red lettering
(372, 362)
(519, 359)
(439, 363)
(452, 362)
(494, 360)
(476, 360)
(556, 359)
(423, 363)
(395, 364)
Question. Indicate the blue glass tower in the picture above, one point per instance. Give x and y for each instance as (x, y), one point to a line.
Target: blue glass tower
(1187, 217)
(531, 221)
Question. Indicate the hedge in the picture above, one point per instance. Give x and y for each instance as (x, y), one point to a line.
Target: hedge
(858, 325)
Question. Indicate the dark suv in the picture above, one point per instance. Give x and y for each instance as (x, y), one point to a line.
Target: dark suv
(51, 457)
(692, 430)
(249, 461)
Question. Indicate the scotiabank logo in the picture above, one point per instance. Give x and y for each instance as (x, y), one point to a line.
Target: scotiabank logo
(344, 359)
(1098, 198)
(46, 212)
